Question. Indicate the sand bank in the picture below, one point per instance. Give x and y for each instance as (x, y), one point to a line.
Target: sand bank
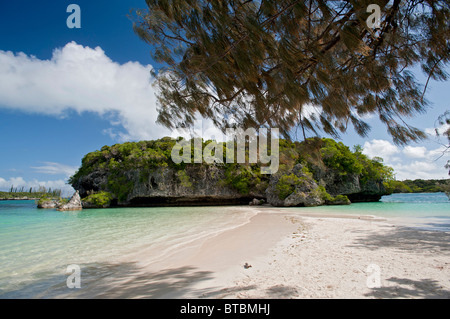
(289, 255)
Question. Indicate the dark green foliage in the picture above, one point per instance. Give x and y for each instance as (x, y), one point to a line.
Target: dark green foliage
(374, 169)
(116, 161)
(323, 194)
(255, 63)
(339, 157)
(119, 158)
(184, 179)
(330, 200)
(242, 177)
(144, 154)
(44, 199)
(119, 185)
(422, 186)
(48, 199)
(286, 185)
(62, 201)
(338, 200)
(101, 199)
(399, 187)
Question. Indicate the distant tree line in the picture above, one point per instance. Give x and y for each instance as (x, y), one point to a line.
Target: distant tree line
(22, 192)
(421, 186)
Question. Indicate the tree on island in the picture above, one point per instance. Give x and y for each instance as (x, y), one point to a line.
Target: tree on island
(268, 63)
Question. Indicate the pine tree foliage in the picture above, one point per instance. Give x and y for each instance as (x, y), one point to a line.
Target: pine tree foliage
(267, 63)
(444, 122)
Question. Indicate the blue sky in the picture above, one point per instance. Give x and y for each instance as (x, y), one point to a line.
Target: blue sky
(71, 91)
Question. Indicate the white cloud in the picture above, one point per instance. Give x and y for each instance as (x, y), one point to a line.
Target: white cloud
(415, 152)
(439, 130)
(55, 169)
(420, 169)
(19, 182)
(394, 159)
(84, 80)
(13, 181)
(380, 148)
(411, 162)
(438, 153)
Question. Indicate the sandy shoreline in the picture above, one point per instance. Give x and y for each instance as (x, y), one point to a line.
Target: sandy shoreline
(291, 255)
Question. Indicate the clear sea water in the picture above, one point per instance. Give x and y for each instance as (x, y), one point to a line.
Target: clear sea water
(36, 246)
(430, 211)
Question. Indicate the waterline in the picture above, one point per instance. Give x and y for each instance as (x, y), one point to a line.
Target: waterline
(430, 211)
(38, 245)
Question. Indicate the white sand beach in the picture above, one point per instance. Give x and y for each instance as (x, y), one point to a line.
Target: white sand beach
(289, 255)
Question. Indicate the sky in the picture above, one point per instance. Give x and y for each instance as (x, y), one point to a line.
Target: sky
(65, 92)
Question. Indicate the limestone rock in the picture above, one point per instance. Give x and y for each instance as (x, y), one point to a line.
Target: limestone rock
(73, 204)
(165, 186)
(307, 199)
(200, 184)
(338, 200)
(304, 191)
(47, 204)
(349, 185)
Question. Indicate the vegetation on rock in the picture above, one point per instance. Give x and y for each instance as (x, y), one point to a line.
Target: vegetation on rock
(98, 200)
(117, 166)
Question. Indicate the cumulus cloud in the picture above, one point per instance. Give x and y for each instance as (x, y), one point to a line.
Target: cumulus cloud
(84, 80)
(410, 162)
(380, 148)
(420, 170)
(19, 182)
(415, 152)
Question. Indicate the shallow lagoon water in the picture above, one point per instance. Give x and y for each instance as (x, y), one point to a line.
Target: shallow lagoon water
(36, 242)
(37, 245)
(429, 211)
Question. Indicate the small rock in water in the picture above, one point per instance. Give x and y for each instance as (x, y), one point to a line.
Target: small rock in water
(47, 204)
(73, 204)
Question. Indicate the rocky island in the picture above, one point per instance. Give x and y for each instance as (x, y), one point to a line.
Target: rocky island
(311, 173)
(61, 204)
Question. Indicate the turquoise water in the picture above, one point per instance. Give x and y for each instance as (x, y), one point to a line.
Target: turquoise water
(425, 210)
(37, 245)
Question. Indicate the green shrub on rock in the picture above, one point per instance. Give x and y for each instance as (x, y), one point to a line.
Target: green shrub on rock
(286, 185)
(98, 200)
(339, 200)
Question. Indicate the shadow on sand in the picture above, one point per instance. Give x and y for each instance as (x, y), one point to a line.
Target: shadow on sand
(127, 280)
(100, 280)
(407, 239)
(407, 288)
